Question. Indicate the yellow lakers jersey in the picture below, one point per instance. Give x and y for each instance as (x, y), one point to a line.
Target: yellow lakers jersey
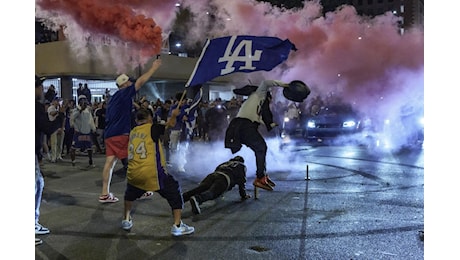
(146, 159)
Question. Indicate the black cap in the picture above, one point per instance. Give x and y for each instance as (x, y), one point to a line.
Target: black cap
(39, 80)
(297, 91)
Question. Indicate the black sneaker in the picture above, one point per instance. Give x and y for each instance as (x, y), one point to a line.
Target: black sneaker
(195, 206)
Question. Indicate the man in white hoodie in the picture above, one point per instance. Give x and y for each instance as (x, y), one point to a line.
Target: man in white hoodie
(244, 128)
(83, 122)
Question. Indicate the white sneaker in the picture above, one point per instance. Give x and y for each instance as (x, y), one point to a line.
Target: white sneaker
(127, 224)
(183, 229)
(38, 241)
(109, 198)
(41, 230)
(146, 195)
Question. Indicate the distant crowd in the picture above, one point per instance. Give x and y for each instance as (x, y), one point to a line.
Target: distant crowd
(207, 124)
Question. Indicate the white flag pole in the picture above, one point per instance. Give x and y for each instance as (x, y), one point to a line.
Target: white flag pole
(197, 63)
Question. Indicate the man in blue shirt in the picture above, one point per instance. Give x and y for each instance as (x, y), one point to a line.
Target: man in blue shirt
(118, 126)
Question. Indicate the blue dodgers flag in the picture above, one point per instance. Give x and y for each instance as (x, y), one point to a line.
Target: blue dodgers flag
(242, 53)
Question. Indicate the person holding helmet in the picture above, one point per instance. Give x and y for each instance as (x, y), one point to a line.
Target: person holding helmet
(244, 128)
(224, 178)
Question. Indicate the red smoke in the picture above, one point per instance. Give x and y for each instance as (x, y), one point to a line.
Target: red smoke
(117, 19)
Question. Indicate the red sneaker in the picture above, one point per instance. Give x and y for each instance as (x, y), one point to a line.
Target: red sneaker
(262, 183)
(270, 182)
(108, 198)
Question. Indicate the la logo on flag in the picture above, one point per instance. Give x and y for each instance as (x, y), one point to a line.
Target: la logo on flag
(242, 53)
(244, 47)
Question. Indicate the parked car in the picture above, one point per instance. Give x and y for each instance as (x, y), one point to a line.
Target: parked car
(332, 122)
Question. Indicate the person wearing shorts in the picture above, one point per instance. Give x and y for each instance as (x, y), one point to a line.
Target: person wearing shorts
(118, 126)
(147, 171)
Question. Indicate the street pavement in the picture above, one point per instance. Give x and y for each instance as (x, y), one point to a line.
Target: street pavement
(350, 204)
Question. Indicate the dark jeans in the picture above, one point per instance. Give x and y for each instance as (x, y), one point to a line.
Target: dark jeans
(251, 137)
(68, 137)
(210, 188)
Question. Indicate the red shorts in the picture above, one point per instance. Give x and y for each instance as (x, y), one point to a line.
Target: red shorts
(117, 146)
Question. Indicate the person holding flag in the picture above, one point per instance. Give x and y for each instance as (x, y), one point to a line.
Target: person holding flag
(192, 113)
(177, 133)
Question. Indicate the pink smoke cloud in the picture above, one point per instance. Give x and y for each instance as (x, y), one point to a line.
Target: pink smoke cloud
(361, 59)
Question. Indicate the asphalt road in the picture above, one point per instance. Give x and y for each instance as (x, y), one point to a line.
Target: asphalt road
(355, 204)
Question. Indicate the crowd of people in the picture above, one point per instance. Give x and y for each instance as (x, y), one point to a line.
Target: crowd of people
(149, 139)
(212, 120)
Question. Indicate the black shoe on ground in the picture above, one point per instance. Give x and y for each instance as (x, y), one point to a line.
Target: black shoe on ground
(195, 206)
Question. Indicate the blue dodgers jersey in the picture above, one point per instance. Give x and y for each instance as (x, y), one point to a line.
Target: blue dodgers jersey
(118, 116)
(179, 123)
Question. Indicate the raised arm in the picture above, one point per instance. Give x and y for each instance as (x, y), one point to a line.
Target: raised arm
(146, 76)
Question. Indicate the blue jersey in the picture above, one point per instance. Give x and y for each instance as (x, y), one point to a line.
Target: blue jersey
(118, 113)
(179, 123)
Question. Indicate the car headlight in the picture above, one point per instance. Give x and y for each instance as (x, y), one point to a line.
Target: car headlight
(286, 119)
(349, 124)
(311, 124)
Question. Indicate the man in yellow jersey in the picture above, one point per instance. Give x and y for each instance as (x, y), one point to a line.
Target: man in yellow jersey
(147, 170)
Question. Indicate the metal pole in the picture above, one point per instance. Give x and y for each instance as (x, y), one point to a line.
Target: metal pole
(307, 177)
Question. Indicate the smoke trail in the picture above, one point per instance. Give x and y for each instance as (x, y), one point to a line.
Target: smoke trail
(215, 153)
(363, 60)
(89, 25)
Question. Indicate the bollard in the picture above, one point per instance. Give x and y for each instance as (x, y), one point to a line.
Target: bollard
(307, 177)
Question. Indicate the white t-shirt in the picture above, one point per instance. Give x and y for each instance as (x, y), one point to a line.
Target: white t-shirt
(51, 109)
(252, 107)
